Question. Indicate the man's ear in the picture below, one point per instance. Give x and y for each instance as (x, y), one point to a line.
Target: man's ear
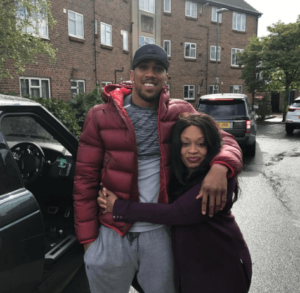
(166, 79)
(132, 75)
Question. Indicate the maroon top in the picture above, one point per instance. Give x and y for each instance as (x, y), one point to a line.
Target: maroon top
(210, 254)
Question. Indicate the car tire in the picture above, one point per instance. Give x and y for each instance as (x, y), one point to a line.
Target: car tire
(289, 129)
(251, 150)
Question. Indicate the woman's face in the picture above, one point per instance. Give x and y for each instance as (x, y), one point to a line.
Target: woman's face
(193, 149)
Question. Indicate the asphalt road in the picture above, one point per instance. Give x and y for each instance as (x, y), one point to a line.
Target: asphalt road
(267, 212)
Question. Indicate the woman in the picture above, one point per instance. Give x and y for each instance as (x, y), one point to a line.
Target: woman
(210, 254)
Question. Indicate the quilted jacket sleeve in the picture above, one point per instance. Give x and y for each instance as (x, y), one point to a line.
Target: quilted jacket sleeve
(87, 179)
(230, 155)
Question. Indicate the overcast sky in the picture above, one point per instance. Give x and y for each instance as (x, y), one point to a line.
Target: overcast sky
(287, 11)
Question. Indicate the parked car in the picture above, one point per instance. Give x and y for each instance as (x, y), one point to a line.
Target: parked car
(292, 118)
(234, 114)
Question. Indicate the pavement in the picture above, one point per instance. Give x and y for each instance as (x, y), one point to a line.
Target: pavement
(273, 118)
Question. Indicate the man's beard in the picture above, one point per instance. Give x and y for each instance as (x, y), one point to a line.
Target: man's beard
(151, 99)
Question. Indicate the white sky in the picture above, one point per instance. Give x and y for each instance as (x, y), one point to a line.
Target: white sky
(287, 11)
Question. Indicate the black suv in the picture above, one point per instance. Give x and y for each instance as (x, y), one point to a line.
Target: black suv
(235, 115)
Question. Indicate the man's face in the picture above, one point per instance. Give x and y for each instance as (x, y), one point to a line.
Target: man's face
(148, 79)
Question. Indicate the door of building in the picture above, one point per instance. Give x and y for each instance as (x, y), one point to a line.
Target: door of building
(275, 102)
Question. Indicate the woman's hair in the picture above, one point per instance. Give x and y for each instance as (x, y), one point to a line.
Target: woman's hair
(212, 140)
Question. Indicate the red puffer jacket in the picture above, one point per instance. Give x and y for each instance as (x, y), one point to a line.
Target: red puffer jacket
(107, 153)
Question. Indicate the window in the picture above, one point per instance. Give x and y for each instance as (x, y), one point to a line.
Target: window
(239, 21)
(96, 27)
(167, 47)
(106, 38)
(105, 83)
(168, 87)
(77, 87)
(213, 89)
(189, 92)
(189, 50)
(236, 89)
(34, 86)
(75, 24)
(125, 40)
(147, 23)
(213, 53)
(234, 61)
(214, 15)
(147, 5)
(191, 9)
(146, 41)
(167, 6)
(38, 21)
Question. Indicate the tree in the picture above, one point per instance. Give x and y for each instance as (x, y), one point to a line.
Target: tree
(281, 57)
(21, 24)
(252, 73)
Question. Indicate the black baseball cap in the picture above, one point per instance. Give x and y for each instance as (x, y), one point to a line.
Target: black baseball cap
(150, 51)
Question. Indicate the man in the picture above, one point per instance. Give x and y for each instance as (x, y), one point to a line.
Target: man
(125, 147)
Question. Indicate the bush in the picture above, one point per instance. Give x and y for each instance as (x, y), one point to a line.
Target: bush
(82, 103)
(61, 110)
(264, 107)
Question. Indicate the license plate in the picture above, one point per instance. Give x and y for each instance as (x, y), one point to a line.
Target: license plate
(298, 117)
(224, 124)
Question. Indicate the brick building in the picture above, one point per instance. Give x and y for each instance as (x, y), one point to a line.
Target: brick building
(96, 41)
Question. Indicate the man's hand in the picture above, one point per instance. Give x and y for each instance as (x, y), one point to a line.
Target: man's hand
(214, 186)
(87, 245)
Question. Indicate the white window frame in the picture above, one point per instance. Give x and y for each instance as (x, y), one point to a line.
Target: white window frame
(21, 78)
(234, 90)
(147, 5)
(76, 15)
(190, 87)
(103, 37)
(125, 40)
(146, 40)
(212, 90)
(105, 83)
(167, 51)
(37, 26)
(236, 18)
(237, 50)
(214, 52)
(190, 44)
(77, 87)
(191, 9)
(167, 3)
(214, 15)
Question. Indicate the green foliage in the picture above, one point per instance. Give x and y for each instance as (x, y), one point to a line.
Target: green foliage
(62, 111)
(251, 59)
(16, 44)
(264, 107)
(82, 103)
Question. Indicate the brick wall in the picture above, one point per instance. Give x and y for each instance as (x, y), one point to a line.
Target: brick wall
(87, 59)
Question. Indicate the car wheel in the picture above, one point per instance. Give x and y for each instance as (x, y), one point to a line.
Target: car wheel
(289, 129)
(251, 150)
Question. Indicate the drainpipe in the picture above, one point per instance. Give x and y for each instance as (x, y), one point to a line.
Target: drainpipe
(95, 43)
(207, 48)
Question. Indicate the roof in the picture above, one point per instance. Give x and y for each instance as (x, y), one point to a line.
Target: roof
(6, 100)
(223, 96)
(239, 5)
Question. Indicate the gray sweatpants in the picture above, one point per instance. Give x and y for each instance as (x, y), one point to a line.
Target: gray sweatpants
(112, 261)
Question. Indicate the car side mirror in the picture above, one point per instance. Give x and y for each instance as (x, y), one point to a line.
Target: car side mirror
(255, 107)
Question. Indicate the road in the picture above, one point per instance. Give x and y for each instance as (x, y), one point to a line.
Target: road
(267, 212)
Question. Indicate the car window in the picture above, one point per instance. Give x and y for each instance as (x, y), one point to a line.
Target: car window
(223, 108)
(9, 176)
(296, 104)
(19, 128)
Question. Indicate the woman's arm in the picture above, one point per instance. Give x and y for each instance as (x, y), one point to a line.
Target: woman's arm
(184, 211)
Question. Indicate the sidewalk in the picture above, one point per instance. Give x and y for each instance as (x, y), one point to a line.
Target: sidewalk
(273, 118)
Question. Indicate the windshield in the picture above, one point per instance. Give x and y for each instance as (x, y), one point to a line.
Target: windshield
(296, 104)
(223, 108)
(19, 128)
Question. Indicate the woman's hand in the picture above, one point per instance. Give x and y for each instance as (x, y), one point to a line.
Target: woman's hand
(106, 200)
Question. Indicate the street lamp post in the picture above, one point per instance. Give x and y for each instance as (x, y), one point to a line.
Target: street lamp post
(221, 10)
